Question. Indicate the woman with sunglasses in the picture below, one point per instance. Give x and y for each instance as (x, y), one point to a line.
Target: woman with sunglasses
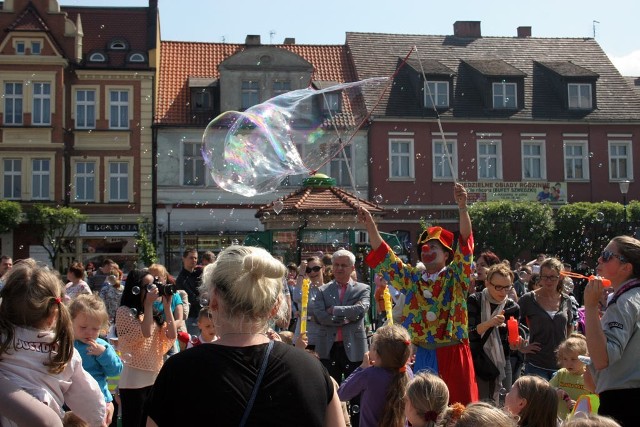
(547, 313)
(313, 270)
(489, 311)
(614, 340)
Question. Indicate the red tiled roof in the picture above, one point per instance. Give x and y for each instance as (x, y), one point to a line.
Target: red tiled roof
(181, 60)
(321, 200)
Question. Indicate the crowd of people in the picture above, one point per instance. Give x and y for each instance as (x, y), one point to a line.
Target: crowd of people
(463, 342)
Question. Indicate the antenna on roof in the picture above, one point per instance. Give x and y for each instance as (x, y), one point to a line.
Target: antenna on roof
(271, 34)
(594, 28)
(224, 39)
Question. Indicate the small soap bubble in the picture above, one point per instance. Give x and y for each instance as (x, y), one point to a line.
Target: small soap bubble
(378, 199)
(126, 358)
(355, 409)
(135, 290)
(204, 301)
(397, 249)
(134, 312)
(266, 215)
(599, 217)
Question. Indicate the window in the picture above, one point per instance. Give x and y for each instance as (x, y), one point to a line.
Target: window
(40, 179)
(192, 164)
(250, 94)
(504, 96)
(401, 158)
(86, 109)
(201, 100)
(13, 103)
(280, 87)
(620, 160)
(443, 159)
(41, 103)
(119, 109)
(489, 159)
(576, 161)
(579, 96)
(339, 167)
(12, 178)
(331, 102)
(136, 57)
(36, 48)
(20, 48)
(85, 178)
(118, 45)
(437, 92)
(97, 57)
(533, 166)
(118, 181)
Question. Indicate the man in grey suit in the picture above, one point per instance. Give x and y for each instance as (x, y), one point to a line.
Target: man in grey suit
(339, 308)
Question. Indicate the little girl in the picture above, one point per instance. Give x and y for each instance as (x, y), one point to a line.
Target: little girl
(569, 380)
(36, 345)
(381, 379)
(533, 402)
(427, 397)
(89, 317)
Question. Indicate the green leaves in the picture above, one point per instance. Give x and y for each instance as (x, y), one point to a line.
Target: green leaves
(10, 215)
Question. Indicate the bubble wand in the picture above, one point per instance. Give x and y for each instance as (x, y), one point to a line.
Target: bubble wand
(303, 310)
(605, 282)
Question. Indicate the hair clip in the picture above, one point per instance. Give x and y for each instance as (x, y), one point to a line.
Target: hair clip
(407, 342)
(58, 300)
(457, 410)
(402, 369)
(431, 416)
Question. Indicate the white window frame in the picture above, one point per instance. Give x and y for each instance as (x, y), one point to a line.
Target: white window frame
(580, 100)
(40, 179)
(194, 159)
(571, 160)
(439, 91)
(41, 103)
(85, 176)
(501, 100)
(13, 175)
(281, 86)
(14, 99)
(249, 91)
(97, 57)
(529, 158)
(486, 171)
(118, 45)
(137, 57)
(615, 160)
(401, 163)
(338, 166)
(85, 105)
(119, 105)
(331, 102)
(440, 162)
(128, 175)
(34, 50)
(21, 47)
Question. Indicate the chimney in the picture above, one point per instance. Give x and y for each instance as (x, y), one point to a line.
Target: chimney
(524, 32)
(467, 29)
(252, 40)
(289, 40)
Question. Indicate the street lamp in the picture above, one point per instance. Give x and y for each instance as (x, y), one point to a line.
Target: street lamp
(624, 189)
(168, 208)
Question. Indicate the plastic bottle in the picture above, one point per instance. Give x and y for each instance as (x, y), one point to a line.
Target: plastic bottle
(514, 335)
(605, 282)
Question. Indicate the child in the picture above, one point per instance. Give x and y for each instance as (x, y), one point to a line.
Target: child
(534, 401)
(426, 398)
(381, 379)
(569, 380)
(33, 323)
(89, 316)
(207, 330)
(476, 414)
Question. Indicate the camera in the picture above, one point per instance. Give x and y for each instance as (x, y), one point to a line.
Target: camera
(165, 289)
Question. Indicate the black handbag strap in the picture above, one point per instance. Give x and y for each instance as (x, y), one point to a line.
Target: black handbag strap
(256, 386)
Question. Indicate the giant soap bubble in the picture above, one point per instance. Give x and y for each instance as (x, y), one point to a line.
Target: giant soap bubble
(251, 152)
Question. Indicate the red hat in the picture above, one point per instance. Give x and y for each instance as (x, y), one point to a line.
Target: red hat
(445, 237)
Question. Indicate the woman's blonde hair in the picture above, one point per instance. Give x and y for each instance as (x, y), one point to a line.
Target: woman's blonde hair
(583, 419)
(500, 269)
(428, 394)
(542, 401)
(556, 265)
(92, 306)
(31, 295)
(159, 271)
(247, 279)
(475, 414)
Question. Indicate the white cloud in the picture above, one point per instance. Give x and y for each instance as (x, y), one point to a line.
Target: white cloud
(628, 65)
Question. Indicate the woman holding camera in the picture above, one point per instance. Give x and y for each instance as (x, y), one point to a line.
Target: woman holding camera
(143, 339)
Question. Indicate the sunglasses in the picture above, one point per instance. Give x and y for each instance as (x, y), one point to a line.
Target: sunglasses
(607, 255)
(314, 269)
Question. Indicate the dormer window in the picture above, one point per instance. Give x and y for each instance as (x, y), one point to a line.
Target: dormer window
(20, 48)
(97, 57)
(332, 102)
(118, 45)
(580, 96)
(436, 92)
(505, 96)
(36, 48)
(137, 57)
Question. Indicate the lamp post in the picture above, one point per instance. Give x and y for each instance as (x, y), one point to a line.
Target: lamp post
(624, 189)
(168, 208)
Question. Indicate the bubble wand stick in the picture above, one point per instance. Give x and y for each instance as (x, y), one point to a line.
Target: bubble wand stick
(303, 310)
(387, 304)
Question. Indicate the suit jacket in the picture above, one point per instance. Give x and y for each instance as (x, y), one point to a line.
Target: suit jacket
(349, 315)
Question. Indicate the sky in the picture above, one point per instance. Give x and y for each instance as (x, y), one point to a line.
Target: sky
(615, 21)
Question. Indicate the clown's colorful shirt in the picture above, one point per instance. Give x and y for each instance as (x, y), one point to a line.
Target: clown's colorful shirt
(435, 311)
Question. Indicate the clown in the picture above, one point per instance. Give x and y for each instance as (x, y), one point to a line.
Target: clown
(435, 309)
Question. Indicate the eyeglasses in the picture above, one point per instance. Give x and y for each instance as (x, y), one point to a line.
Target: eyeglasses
(501, 288)
(607, 255)
(314, 269)
(549, 278)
